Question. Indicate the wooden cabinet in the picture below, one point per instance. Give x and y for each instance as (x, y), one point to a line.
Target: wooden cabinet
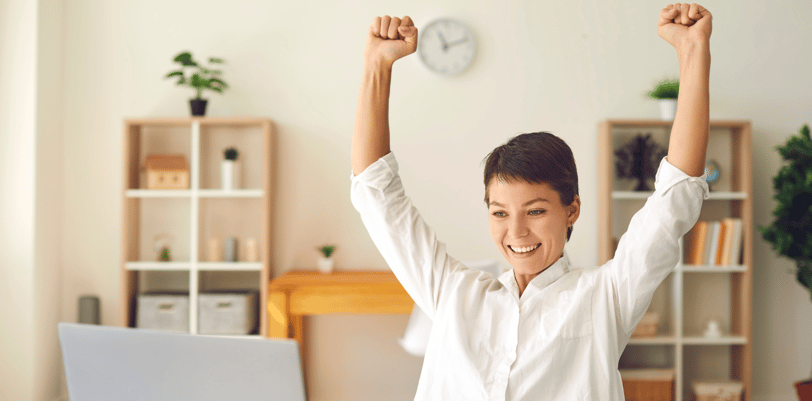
(692, 294)
(191, 217)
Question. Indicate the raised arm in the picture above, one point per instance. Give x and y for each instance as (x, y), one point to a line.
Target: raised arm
(388, 39)
(688, 27)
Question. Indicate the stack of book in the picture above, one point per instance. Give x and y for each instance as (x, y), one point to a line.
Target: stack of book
(714, 243)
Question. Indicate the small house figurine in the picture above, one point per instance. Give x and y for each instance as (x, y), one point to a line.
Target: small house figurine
(167, 172)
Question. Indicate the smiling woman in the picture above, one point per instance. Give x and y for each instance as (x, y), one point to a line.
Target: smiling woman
(531, 189)
(543, 329)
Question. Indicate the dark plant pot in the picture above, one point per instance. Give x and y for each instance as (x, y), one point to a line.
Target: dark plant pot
(198, 107)
(804, 390)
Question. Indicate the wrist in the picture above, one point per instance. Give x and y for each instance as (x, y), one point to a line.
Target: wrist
(377, 65)
(692, 49)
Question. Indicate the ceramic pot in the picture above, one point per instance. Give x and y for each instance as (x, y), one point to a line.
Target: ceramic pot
(230, 174)
(668, 109)
(804, 390)
(325, 265)
(198, 106)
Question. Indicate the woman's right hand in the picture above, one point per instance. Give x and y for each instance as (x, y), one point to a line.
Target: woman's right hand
(390, 39)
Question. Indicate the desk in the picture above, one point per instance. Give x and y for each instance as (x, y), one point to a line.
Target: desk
(300, 293)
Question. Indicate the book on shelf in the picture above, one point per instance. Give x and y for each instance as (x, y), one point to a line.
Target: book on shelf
(714, 243)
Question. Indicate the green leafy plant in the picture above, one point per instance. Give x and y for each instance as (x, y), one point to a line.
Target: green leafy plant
(791, 232)
(201, 78)
(667, 89)
(230, 154)
(327, 250)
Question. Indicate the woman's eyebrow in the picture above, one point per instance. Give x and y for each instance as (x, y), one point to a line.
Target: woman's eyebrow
(492, 203)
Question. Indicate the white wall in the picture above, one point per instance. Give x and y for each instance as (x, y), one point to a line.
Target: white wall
(555, 66)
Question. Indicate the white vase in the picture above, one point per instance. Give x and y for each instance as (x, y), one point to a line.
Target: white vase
(325, 264)
(230, 174)
(668, 109)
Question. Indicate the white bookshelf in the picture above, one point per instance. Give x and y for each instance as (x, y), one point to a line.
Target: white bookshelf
(192, 216)
(691, 294)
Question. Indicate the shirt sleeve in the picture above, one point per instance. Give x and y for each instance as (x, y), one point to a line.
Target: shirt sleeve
(649, 250)
(406, 242)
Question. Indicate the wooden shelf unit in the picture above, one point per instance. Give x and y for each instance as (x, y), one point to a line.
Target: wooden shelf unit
(690, 292)
(192, 216)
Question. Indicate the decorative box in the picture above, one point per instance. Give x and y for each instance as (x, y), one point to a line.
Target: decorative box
(718, 391)
(167, 172)
(647, 326)
(168, 312)
(648, 384)
(227, 313)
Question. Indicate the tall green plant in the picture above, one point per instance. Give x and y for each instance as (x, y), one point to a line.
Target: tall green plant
(791, 232)
(204, 78)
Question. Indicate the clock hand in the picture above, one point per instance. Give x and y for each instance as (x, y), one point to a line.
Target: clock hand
(445, 45)
(456, 42)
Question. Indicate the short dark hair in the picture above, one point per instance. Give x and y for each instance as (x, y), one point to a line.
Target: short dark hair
(537, 157)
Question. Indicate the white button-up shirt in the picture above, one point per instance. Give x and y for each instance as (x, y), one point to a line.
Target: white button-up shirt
(562, 339)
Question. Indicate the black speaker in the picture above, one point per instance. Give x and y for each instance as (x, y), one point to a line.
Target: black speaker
(89, 309)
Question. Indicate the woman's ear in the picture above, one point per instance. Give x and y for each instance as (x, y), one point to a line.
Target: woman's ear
(574, 210)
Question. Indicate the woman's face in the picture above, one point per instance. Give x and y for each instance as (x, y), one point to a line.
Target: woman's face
(529, 224)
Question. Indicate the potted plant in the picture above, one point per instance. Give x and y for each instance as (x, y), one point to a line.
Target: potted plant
(230, 170)
(202, 78)
(639, 159)
(667, 92)
(326, 262)
(791, 232)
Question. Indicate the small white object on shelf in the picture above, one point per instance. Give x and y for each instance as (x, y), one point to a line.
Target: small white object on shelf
(251, 254)
(230, 178)
(713, 330)
(215, 250)
(325, 264)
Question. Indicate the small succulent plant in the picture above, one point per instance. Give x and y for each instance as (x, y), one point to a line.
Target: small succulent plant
(327, 250)
(231, 154)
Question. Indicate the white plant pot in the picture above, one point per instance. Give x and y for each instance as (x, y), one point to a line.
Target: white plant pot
(325, 264)
(230, 174)
(668, 109)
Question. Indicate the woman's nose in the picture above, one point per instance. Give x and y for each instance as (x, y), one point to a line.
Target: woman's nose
(518, 227)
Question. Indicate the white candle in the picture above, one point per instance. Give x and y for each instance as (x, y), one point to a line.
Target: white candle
(251, 250)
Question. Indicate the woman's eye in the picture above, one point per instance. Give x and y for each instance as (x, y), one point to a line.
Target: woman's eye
(499, 214)
(536, 212)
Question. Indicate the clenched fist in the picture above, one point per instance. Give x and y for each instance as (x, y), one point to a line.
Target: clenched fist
(683, 24)
(390, 39)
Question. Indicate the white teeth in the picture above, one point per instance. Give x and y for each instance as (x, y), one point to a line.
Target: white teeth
(524, 249)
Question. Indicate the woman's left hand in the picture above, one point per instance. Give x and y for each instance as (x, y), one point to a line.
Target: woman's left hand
(684, 24)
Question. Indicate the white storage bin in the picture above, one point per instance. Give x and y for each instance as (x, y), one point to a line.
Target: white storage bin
(227, 313)
(169, 312)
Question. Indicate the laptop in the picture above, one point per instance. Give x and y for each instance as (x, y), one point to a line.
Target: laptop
(116, 363)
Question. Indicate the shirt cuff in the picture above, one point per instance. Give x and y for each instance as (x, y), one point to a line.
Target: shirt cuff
(669, 175)
(379, 174)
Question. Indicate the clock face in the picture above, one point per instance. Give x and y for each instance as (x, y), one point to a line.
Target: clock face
(446, 46)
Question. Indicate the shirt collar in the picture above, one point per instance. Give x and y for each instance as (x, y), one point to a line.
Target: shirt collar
(545, 278)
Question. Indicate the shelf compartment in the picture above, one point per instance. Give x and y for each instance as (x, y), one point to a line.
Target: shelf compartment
(706, 297)
(705, 363)
(157, 217)
(247, 139)
(652, 356)
(218, 221)
(145, 139)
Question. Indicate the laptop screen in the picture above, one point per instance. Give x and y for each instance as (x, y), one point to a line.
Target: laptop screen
(115, 363)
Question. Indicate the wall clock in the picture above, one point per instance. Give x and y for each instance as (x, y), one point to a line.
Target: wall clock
(447, 46)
